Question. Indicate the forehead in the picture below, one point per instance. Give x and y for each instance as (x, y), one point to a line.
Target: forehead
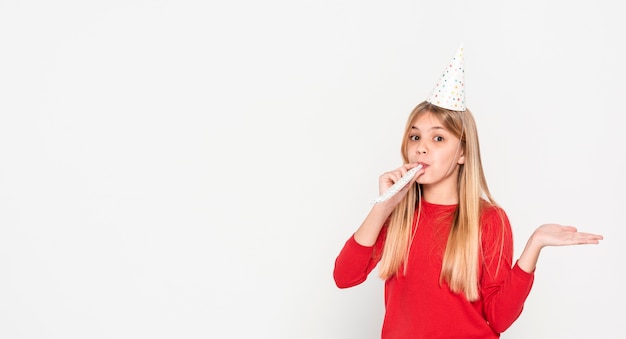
(426, 121)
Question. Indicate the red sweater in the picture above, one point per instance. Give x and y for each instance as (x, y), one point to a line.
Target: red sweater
(418, 306)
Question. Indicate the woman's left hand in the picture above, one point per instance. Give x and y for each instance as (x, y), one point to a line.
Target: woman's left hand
(552, 235)
(559, 235)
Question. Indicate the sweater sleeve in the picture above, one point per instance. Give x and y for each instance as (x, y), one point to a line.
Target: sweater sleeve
(355, 261)
(504, 286)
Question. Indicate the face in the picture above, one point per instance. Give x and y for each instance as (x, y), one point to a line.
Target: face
(437, 149)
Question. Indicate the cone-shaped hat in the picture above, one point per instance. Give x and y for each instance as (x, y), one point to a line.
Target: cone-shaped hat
(450, 89)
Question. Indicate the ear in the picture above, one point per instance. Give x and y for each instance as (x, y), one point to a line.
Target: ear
(461, 160)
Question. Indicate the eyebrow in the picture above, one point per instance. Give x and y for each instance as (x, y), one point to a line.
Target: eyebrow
(432, 128)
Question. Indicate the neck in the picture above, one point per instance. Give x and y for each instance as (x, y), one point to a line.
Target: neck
(440, 196)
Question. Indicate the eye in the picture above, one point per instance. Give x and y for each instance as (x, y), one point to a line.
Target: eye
(414, 137)
(438, 138)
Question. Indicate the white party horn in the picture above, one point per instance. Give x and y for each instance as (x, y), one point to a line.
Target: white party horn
(398, 185)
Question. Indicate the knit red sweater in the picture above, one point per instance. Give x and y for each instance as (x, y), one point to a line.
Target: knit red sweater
(418, 306)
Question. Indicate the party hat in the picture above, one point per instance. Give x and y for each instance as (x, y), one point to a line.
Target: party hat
(449, 92)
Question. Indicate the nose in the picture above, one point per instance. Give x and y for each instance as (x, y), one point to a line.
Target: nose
(420, 150)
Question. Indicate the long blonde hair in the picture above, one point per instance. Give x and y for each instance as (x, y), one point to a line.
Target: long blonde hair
(461, 259)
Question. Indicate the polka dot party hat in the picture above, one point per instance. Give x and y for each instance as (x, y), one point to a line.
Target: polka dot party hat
(450, 89)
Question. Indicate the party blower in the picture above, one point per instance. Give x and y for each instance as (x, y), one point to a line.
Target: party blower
(398, 185)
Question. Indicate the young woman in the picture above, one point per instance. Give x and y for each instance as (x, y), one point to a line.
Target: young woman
(443, 245)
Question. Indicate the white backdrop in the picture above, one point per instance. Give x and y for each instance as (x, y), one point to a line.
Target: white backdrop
(190, 169)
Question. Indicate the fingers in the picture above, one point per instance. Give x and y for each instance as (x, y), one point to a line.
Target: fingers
(581, 237)
(397, 174)
(393, 176)
(398, 181)
(588, 238)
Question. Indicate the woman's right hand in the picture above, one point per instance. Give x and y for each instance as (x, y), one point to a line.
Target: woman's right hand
(369, 230)
(387, 180)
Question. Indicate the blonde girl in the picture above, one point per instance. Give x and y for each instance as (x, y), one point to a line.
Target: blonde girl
(442, 244)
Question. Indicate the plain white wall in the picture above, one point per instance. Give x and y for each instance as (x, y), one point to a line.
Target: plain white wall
(191, 169)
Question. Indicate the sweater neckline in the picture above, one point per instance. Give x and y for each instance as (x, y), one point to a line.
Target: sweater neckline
(430, 204)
